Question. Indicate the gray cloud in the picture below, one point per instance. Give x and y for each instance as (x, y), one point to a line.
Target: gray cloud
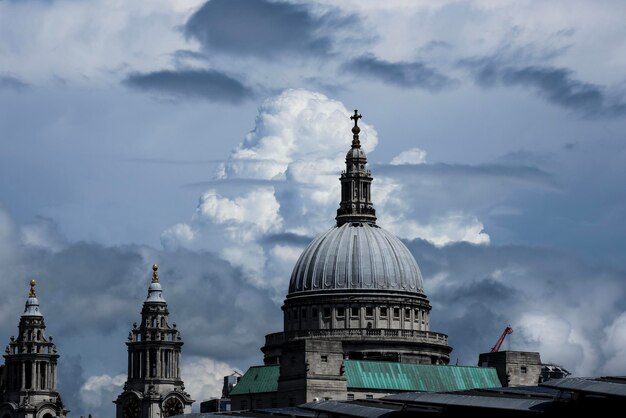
(210, 85)
(477, 290)
(401, 74)
(527, 173)
(9, 82)
(287, 238)
(554, 84)
(91, 294)
(263, 28)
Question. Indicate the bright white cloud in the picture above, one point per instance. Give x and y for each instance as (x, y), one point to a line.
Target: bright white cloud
(299, 143)
(441, 230)
(203, 377)
(295, 126)
(176, 235)
(615, 346)
(101, 389)
(411, 156)
(88, 41)
(244, 217)
(559, 340)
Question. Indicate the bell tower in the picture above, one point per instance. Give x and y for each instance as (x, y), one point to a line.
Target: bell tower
(154, 388)
(30, 369)
(356, 182)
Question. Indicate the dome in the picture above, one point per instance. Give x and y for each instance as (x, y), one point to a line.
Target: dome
(155, 293)
(355, 153)
(356, 255)
(32, 307)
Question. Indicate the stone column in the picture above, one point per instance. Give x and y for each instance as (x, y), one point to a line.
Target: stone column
(37, 374)
(146, 354)
(178, 364)
(23, 382)
(159, 365)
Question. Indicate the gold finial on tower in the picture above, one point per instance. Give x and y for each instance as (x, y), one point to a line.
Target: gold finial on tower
(32, 293)
(155, 274)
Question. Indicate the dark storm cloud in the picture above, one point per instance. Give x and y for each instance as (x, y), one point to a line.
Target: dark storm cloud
(91, 294)
(263, 28)
(554, 84)
(70, 379)
(477, 290)
(10, 82)
(209, 85)
(503, 171)
(401, 74)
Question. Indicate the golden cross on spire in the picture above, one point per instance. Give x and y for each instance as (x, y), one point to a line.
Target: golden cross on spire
(32, 293)
(155, 274)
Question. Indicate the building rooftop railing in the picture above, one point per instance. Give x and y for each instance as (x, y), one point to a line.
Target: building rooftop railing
(358, 334)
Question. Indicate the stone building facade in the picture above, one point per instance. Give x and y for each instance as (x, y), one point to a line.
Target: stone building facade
(356, 293)
(29, 375)
(515, 368)
(154, 388)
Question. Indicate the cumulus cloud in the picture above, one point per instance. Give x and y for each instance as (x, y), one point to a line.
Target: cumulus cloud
(298, 147)
(101, 389)
(204, 377)
(255, 213)
(212, 85)
(299, 143)
(615, 346)
(411, 156)
(400, 74)
(265, 28)
(97, 38)
(441, 230)
(477, 290)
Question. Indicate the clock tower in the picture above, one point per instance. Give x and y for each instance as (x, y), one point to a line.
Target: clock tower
(154, 388)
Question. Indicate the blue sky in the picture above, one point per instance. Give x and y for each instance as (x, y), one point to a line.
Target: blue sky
(208, 137)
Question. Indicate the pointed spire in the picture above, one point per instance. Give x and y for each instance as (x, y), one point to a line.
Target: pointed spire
(356, 204)
(355, 129)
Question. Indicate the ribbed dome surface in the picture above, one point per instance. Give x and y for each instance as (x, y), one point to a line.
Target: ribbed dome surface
(356, 255)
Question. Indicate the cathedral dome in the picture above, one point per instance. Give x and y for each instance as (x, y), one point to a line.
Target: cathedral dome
(356, 255)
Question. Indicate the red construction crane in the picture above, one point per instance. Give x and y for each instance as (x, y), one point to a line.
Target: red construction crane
(508, 330)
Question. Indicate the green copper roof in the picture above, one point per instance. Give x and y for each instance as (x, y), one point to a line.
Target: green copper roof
(384, 376)
(258, 379)
(378, 375)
